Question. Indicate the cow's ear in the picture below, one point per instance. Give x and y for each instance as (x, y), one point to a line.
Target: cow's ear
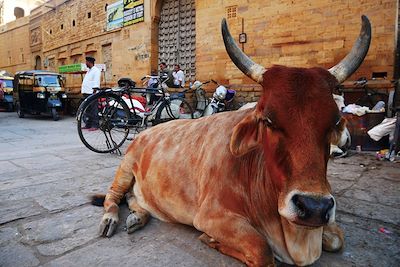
(246, 136)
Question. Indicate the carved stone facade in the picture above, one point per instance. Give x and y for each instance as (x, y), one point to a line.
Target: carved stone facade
(177, 35)
(36, 36)
(295, 33)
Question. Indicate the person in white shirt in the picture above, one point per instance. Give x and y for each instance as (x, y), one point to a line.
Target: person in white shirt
(92, 78)
(90, 83)
(179, 77)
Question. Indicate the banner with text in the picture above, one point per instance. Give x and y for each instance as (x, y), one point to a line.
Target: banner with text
(115, 15)
(133, 11)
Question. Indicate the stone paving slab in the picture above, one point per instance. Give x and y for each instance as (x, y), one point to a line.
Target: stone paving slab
(46, 218)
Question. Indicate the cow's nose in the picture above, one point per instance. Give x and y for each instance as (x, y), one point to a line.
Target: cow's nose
(313, 210)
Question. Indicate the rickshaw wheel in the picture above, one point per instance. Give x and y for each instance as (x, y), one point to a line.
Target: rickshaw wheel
(54, 114)
(19, 111)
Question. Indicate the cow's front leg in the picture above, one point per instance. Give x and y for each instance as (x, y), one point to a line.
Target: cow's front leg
(232, 235)
(123, 181)
(332, 238)
(138, 216)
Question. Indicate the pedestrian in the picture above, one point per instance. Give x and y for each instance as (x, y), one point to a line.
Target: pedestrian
(91, 82)
(179, 77)
(166, 73)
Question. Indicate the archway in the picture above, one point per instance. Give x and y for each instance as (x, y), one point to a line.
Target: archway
(38, 63)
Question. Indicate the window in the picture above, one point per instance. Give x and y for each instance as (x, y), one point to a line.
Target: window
(231, 12)
(46, 80)
(89, 15)
(73, 23)
(51, 31)
(22, 58)
(8, 83)
(62, 26)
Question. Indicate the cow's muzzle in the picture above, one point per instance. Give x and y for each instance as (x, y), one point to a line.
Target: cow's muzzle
(312, 210)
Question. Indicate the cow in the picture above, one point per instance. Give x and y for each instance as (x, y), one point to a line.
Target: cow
(253, 181)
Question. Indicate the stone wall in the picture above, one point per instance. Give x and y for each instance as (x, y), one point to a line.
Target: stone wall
(294, 33)
(126, 51)
(14, 46)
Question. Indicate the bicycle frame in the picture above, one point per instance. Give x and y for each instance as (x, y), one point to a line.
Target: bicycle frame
(127, 90)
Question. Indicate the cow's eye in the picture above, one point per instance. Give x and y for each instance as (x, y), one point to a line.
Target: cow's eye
(268, 122)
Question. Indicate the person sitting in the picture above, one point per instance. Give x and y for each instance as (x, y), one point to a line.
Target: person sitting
(152, 84)
(166, 73)
(179, 77)
(153, 81)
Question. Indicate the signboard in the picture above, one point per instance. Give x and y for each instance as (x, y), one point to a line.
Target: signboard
(78, 68)
(133, 11)
(115, 15)
(70, 68)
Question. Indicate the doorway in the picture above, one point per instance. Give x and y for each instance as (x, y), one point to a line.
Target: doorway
(177, 35)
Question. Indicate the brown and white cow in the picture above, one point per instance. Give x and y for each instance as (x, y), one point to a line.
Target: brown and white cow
(253, 181)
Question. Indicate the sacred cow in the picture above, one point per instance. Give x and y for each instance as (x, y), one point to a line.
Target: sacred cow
(252, 181)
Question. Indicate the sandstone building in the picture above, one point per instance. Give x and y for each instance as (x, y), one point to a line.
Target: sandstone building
(287, 32)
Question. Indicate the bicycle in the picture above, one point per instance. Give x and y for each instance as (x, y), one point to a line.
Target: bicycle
(370, 97)
(114, 111)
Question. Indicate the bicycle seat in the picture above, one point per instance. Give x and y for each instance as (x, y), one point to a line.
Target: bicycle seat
(126, 82)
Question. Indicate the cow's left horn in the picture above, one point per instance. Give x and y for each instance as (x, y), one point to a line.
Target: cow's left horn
(353, 60)
(241, 60)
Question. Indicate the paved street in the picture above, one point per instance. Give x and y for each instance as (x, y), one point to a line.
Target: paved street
(46, 176)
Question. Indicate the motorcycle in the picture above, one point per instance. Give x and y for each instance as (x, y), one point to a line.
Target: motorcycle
(221, 97)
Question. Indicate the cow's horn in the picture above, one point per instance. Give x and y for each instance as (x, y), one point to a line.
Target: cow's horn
(353, 60)
(241, 60)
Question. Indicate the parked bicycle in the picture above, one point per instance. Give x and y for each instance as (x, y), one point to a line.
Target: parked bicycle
(116, 111)
(370, 97)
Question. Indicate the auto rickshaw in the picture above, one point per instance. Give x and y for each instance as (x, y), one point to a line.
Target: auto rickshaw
(6, 92)
(39, 91)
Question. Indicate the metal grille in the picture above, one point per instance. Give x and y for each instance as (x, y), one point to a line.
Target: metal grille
(231, 12)
(177, 35)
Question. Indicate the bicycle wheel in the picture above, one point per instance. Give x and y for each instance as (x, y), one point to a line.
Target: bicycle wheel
(103, 123)
(176, 108)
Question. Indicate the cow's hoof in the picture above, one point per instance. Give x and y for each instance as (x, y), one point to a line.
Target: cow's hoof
(134, 222)
(108, 224)
(331, 242)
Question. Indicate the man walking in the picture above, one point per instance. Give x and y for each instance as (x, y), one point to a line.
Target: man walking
(91, 82)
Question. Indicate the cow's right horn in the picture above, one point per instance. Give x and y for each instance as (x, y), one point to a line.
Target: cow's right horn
(241, 60)
(353, 60)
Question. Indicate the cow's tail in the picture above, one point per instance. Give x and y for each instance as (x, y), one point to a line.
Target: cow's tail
(123, 182)
(98, 199)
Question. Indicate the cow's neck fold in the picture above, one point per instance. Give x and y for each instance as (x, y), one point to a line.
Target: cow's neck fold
(290, 243)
